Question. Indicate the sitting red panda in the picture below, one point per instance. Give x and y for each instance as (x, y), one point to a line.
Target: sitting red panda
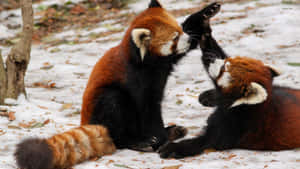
(122, 98)
(125, 89)
(251, 112)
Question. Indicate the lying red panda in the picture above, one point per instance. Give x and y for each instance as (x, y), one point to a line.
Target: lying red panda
(251, 113)
(122, 98)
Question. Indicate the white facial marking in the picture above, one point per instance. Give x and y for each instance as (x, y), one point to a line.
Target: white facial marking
(183, 44)
(136, 37)
(215, 68)
(224, 80)
(259, 95)
(166, 49)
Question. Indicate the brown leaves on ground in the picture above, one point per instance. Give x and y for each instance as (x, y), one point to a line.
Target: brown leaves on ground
(11, 115)
(34, 124)
(82, 15)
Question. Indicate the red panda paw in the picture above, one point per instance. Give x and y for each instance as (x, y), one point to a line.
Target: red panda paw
(176, 132)
(148, 145)
(211, 10)
(171, 150)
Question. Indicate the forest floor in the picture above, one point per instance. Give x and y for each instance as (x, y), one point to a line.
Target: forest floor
(71, 36)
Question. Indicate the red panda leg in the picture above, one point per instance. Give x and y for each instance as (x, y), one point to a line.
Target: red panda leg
(115, 110)
(128, 127)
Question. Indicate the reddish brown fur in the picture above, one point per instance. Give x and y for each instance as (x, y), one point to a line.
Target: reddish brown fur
(250, 69)
(80, 144)
(111, 67)
(279, 127)
(278, 118)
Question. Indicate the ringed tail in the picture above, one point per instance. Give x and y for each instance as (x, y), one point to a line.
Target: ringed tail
(66, 149)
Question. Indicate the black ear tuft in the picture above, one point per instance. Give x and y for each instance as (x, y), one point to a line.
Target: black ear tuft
(155, 4)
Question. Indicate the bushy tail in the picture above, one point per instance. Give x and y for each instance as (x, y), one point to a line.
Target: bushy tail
(66, 149)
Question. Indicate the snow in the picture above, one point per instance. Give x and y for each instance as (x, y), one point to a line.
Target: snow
(277, 45)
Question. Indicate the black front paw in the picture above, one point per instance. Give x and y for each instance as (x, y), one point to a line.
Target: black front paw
(197, 24)
(175, 132)
(171, 150)
(211, 10)
(148, 145)
(208, 98)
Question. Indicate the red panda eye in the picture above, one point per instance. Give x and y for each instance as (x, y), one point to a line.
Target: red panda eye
(176, 36)
(222, 70)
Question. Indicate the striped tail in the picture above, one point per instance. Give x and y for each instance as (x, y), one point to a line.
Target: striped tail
(66, 149)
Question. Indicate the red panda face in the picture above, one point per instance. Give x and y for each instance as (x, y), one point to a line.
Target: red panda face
(245, 80)
(157, 33)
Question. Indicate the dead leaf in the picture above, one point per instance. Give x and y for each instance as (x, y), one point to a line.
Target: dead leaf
(230, 157)
(11, 116)
(179, 102)
(13, 127)
(65, 106)
(172, 167)
(37, 125)
(46, 121)
(43, 107)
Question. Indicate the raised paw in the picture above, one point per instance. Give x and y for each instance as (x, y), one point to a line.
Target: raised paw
(197, 24)
(175, 132)
(211, 10)
(171, 150)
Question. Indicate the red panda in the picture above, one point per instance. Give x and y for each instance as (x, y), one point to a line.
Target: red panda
(125, 88)
(251, 112)
(122, 100)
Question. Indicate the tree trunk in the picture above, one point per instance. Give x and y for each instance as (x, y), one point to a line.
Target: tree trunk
(12, 77)
(3, 81)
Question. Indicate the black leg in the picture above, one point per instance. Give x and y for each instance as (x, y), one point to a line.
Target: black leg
(115, 110)
(184, 148)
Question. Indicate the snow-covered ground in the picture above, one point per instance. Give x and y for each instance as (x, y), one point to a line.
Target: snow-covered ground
(266, 30)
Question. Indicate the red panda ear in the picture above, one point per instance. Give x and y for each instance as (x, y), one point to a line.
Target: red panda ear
(155, 4)
(256, 94)
(141, 37)
(275, 71)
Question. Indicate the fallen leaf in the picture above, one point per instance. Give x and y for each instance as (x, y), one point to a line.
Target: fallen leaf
(65, 106)
(46, 121)
(172, 167)
(121, 165)
(37, 125)
(230, 157)
(179, 102)
(13, 127)
(11, 116)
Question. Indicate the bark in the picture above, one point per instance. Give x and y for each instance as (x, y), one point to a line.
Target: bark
(19, 56)
(3, 80)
